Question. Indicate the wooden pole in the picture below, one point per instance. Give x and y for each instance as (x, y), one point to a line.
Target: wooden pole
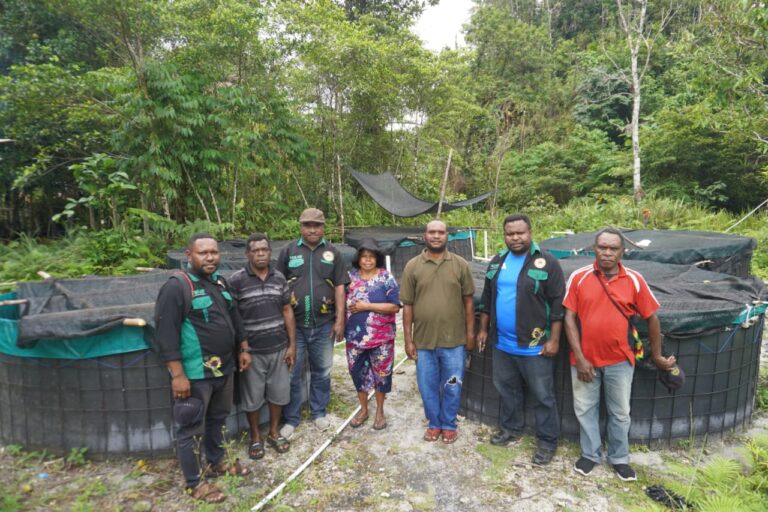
(445, 183)
(341, 196)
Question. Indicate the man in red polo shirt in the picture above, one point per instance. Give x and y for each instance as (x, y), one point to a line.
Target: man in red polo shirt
(599, 300)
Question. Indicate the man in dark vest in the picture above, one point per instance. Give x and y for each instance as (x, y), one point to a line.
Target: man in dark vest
(316, 275)
(200, 337)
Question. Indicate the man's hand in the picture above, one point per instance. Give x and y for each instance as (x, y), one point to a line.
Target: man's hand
(290, 357)
(481, 338)
(470, 345)
(180, 387)
(244, 361)
(664, 363)
(584, 370)
(410, 350)
(337, 331)
(550, 348)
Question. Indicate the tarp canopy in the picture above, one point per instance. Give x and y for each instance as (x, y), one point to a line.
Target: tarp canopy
(719, 252)
(390, 195)
(693, 301)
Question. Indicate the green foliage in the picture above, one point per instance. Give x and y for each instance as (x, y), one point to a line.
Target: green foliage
(76, 457)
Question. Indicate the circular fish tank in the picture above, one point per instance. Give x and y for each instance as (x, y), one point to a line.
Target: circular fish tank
(719, 252)
(712, 322)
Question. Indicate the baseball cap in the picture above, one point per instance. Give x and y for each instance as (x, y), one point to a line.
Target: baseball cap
(673, 379)
(312, 215)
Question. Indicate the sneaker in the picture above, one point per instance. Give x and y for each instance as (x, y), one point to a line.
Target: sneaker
(322, 423)
(287, 431)
(584, 466)
(625, 472)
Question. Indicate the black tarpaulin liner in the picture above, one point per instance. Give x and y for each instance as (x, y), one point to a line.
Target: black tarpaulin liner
(390, 195)
(692, 300)
(718, 252)
(74, 308)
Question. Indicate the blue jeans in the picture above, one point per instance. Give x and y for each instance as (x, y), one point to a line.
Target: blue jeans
(537, 373)
(616, 381)
(440, 375)
(316, 342)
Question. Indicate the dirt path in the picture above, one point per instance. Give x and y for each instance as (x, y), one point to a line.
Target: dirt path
(363, 469)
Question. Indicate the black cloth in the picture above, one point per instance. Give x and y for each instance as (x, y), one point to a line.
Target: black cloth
(260, 303)
(210, 332)
(540, 292)
(312, 276)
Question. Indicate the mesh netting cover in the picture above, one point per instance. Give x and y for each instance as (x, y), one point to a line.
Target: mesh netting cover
(719, 252)
(692, 300)
(390, 195)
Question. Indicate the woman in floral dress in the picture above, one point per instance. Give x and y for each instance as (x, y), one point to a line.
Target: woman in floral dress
(373, 300)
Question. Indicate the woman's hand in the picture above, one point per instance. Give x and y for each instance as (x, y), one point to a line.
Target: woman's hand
(359, 306)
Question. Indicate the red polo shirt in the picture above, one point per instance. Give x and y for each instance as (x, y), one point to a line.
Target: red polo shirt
(604, 330)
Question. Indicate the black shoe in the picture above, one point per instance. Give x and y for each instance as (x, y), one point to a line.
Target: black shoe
(543, 455)
(625, 472)
(584, 466)
(503, 438)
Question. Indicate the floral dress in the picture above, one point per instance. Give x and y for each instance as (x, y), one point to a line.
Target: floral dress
(371, 336)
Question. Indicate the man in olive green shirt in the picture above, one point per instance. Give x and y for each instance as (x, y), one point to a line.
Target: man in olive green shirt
(439, 325)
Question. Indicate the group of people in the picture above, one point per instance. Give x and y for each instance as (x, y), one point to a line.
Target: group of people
(266, 320)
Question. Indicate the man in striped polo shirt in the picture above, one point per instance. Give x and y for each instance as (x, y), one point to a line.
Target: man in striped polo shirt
(599, 300)
(264, 302)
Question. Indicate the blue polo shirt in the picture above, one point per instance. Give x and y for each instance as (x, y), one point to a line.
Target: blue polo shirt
(506, 307)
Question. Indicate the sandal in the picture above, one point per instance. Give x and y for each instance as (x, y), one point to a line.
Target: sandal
(279, 443)
(358, 420)
(432, 434)
(256, 451)
(380, 424)
(222, 468)
(450, 436)
(207, 492)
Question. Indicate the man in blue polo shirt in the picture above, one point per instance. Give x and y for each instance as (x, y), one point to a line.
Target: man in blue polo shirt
(521, 313)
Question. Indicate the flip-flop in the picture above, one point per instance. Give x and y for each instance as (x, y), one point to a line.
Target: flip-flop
(357, 421)
(380, 425)
(432, 434)
(450, 436)
(256, 451)
(279, 443)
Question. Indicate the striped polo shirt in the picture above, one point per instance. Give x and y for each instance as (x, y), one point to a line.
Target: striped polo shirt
(260, 303)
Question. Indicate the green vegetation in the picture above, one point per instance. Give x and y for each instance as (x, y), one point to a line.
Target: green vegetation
(127, 125)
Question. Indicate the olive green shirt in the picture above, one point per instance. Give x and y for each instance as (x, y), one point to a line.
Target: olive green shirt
(436, 290)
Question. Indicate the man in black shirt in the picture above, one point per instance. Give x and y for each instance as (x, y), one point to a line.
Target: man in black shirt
(196, 336)
(317, 275)
(264, 302)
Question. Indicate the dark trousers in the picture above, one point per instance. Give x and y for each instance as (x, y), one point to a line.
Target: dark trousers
(510, 373)
(216, 394)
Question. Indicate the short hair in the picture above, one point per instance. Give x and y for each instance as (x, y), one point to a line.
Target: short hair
(435, 220)
(516, 217)
(610, 231)
(377, 253)
(257, 237)
(199, 236)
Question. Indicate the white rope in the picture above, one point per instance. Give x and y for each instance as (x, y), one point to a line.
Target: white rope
(277, 490)
(747, 216)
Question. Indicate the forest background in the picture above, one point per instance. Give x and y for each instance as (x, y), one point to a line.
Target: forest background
(126, 125)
